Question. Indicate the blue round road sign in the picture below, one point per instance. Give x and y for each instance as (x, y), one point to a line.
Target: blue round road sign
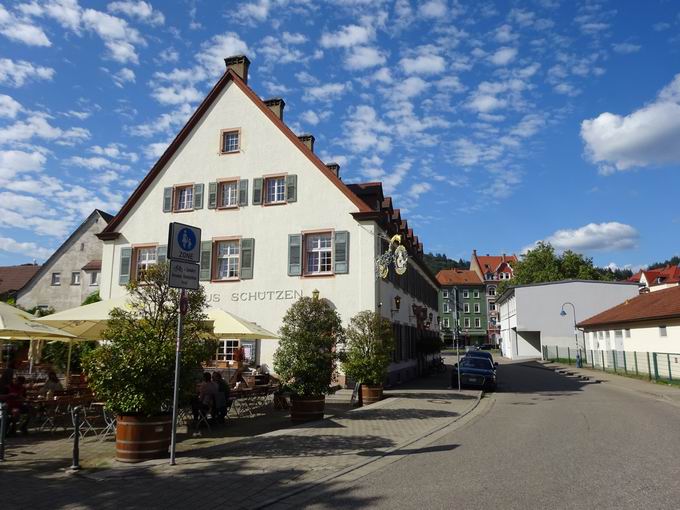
(186, 239)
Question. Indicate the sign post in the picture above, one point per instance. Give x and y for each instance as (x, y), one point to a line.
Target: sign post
(184, 251)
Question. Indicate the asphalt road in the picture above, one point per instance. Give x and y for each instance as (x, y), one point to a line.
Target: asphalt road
(543, 441)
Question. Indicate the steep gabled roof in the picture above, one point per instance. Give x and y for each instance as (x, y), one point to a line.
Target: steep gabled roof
(659, 305)
(493, 262)
(229, 76)
(13, 278)
(458, 277)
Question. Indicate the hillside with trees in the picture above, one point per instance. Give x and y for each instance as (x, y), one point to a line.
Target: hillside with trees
(438, 261)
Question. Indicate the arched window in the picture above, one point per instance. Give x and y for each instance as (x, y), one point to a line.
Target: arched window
(492, 291)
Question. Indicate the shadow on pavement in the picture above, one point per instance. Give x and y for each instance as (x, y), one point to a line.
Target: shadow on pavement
(413, 451)
(532, 377)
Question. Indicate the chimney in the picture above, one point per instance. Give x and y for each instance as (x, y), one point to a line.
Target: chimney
(308, 140)
(239, 64)
(276, 104)
(474, 252)
(335, 168)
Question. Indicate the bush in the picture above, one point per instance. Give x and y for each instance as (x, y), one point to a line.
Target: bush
(134, 371)
(92, 298)
(56, 354)
(370, 343)
(305, 360)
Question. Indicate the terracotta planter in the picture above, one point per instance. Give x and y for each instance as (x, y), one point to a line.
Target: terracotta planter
(304, 409)
(370, 394)
(139, 439)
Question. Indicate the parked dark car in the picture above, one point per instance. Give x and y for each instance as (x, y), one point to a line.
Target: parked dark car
(482, 355)
(475, 372)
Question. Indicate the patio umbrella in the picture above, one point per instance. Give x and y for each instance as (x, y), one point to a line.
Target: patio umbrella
(228, 325)
(16, 324)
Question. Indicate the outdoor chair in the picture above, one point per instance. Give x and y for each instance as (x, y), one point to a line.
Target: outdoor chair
(109, 425)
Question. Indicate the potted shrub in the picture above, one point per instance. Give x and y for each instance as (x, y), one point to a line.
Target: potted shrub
(133, 371)
(305, 360)
(368, 353)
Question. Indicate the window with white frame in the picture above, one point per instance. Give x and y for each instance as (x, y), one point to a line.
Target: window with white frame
(606, 335)
(230, 141)
(275, 190)
(627, 333)
(445, 294)
(146, 257)
(492, 291)
(228, 194)
(184, 198)
(466, 307)
(94, 276)
(466, 293)
(227, 254)
(319, 253)
(226, 349)
(618, 333)
(467, 322)
(478, 323)
(75, 278)
(477, 308)
(446, 323)
(56, 278)
(446, 308)
(492, 306)
(663, 331)
(475, 294)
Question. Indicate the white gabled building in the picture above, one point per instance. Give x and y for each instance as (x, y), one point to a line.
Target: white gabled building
(276, 224)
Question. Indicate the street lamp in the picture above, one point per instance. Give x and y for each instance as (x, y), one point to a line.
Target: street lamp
(564, 314)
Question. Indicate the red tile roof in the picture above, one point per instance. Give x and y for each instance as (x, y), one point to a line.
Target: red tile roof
(491, 262)
(92, 265)
(458, 277)
(661, 304)
(15, 277)
(658, 276)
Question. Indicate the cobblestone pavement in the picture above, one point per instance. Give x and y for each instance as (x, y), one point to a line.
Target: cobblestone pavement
(231, 468)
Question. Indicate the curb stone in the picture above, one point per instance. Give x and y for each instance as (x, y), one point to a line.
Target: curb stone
(342, 472)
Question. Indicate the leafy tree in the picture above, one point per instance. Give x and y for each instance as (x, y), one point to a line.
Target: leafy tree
(437, 262)
(370, 343)
(673, 261)
(541, 264)
(56, 354)
(306, 357)
(92, 298)
(133, 372)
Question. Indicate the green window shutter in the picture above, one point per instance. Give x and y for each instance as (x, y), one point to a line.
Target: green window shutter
(247, 258)
(206, 255)
(162, 254)
(294, 254)
(341, 252)
(198, 196)
(125, 264)
(212, 195)
(243, 192)
(167, 200)
(257, 191)
(291, 188)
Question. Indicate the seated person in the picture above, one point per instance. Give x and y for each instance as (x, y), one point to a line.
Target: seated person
(51, 385)
(19, 411)
(206, 396)
(222, 403)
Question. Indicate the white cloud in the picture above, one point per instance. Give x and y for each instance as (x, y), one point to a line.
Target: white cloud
(366, 131)
(433, 9)
(115, 151)
(505, 35)
(155, 150)
(96, 163)
(347, 36)
(293, 38)
(647, 136)
(255, 11)
(125, 75)
(626, 48)
(21, 30)
(468, 153)
(38, 126)
(418, 189)
(24, 248)
(326, 92)
(16, 73)
(364, 57)
(214, 51)
(503, 56)
(139, 10)
(177, 94)
(276, 51)
(8, 106)
(166, 123)
(13, 162)
(119, 38)
(410, 87)
(423, 64)
(609, 236)
(486, 103)
(372, 168)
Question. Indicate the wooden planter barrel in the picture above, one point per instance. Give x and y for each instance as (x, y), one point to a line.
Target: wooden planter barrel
(371, 394)
(141, 438)
(304, 409)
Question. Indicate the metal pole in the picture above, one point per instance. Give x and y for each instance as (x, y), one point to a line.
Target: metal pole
(68, 363)
(3, 429)
(458, 362)
(75, 465)
(175, 396)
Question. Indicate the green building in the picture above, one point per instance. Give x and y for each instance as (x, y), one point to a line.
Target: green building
(462, 307)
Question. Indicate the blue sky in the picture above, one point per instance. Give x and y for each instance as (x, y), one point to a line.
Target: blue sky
(493, 125)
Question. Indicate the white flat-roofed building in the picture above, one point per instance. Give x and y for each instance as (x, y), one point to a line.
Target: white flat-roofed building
(277, 223)
(531, 318)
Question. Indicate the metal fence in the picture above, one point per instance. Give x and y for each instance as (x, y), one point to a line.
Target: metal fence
(660, 366)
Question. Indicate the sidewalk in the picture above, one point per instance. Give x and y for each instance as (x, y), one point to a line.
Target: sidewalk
(251, 472)
(660, 391)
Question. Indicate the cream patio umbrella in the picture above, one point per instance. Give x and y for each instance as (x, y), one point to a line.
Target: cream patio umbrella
(228, 325)
(16, 324)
